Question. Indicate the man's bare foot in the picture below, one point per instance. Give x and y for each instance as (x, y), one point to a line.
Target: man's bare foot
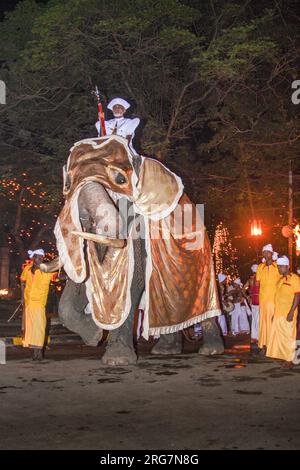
(287, 365)
(263, 351)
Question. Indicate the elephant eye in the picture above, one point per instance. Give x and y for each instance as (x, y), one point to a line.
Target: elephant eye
(117, 176)
(120, 179)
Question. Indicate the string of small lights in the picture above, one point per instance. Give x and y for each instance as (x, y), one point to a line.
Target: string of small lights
(33, 199)
(225, 254)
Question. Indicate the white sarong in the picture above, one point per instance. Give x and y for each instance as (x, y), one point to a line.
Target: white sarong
(255, 322)
(239, 320)
(223, 324)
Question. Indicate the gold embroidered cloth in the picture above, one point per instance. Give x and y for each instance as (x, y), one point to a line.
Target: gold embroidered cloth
(180, 280)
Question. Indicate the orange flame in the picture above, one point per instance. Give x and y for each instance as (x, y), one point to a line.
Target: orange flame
(3, 292)
(256, 229)
(296, 232)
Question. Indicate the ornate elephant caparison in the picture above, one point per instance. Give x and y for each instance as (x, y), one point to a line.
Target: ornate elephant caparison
(127, 229)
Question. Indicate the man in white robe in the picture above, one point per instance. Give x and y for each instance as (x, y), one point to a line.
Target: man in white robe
(239, 317)
(222, 318)
(119, 125)
(253, 293)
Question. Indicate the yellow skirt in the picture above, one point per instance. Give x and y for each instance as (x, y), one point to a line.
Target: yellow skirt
(282, 344)
(35, 326)
(266, 313)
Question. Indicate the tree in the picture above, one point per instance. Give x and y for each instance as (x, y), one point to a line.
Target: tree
(211, 80)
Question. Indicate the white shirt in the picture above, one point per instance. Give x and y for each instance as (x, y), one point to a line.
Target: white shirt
(125, 126)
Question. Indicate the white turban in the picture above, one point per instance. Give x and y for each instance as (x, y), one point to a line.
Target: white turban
(268, 247)
(120, 101)
(221, 277)
(238, 281)
(275, 256)
(298, 271)
(283, 261)
(40, 251)
(254, 268)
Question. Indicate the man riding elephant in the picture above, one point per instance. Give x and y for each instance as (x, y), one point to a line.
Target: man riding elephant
(126, 228)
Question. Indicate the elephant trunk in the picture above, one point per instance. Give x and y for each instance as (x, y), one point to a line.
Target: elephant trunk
(99, 216)
(51, 266)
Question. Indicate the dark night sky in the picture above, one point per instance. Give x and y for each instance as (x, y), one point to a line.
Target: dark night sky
(7, 5)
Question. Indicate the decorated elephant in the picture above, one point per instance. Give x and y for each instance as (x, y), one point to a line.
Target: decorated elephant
(128, 230)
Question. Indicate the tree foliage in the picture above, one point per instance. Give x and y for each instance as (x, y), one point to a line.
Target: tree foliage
(211, 81)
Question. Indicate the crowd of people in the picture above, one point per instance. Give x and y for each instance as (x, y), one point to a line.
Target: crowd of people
(266, 306)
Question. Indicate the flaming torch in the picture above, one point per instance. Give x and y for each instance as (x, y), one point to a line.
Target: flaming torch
(290, 231)
(296, 232)
(4, 292)
(256, 230)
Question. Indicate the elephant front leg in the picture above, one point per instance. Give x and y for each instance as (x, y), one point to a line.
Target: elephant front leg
(212, 341)
(71, 311)
(120, 350)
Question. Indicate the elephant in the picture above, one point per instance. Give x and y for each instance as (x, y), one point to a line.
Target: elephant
(106, 250)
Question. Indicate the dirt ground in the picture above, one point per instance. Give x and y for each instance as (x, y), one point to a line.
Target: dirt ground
(70, 401)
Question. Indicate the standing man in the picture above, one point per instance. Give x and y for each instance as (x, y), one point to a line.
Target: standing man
(253, 292)
(222, 278)
(239, 316)
(120, 125)
(267, 276)
(35, 288)
(282, 342)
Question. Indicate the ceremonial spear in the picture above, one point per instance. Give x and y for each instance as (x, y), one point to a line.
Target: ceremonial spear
(100, 111)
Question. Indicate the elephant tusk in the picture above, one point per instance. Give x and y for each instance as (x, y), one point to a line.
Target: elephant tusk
(115, 242)
(52, 266)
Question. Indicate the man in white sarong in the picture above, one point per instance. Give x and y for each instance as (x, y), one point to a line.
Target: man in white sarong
(222, 318)
(239, 317)
(253, 294)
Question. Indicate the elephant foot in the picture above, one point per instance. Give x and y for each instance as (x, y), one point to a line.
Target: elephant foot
(168, 344)
(210, 350)
(90, 334)
(212, 341)
(119, 354)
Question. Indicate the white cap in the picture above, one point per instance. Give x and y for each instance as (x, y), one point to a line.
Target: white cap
(254, 268)
(221, 277)
(268, 247)
(40, 251)
(238, 281)
(120, 101)
(283, 261)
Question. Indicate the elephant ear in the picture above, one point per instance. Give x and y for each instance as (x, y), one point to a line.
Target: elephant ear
(71, 247)
(158, 190)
